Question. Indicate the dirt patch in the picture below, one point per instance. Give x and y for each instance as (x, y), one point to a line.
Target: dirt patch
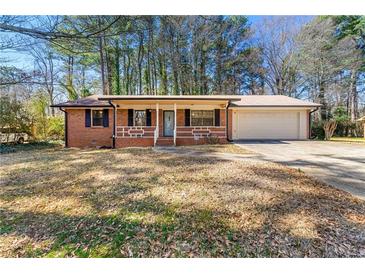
(227, 148)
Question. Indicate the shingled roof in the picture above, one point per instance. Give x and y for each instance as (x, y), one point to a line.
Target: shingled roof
(89, 101)
(235, 100)
(271, 101)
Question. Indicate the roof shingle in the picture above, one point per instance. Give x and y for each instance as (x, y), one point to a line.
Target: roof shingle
(89, 101)
(272, 101)
(235, 100)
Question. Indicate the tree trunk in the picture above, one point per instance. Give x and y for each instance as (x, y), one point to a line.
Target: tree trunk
(102, 68)
(321, 97)
(109, 76)
(329, 128)
(203, 80)
(353, 96)
(117, 68)
(140, 59)
(219, 66)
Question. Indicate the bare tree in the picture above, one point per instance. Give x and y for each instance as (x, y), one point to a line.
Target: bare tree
(321, 58)
(276, 39)
(46, 69)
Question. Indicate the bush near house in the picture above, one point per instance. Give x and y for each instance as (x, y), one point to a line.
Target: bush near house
(344, 126)
(31, 117)
(56, 128)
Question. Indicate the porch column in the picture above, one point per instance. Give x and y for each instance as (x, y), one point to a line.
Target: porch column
(227, 121)
(175, 120)
(115, 112)
(157, 119)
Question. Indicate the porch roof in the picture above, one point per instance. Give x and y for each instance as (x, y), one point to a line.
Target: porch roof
(170, 97)
(233, 100)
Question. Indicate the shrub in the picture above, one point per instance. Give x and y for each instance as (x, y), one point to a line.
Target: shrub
(212, 140)
(318, 131)
(56, 128)
(33, 145)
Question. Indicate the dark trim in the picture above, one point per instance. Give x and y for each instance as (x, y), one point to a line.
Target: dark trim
(88, 118)
(187, 117)
(66, 125)
(148, 117)
(130, 117)
(105, 117)
(163, 121)
(114, 114)
(310, 123)
(217, 117)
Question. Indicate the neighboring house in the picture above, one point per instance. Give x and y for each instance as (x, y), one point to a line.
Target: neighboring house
(124, 121)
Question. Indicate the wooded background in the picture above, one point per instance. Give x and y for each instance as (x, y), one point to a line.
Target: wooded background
(315, 58)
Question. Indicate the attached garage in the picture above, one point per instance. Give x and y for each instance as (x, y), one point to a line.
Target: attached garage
(270, 124)
(270, 117)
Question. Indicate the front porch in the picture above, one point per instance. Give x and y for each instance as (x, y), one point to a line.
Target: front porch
(161, 124)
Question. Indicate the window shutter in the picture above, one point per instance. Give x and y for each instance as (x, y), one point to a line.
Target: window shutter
(130, 117)
(148, 117)
(217, 117)
(187, 117)
(105, 117)
(87, 117)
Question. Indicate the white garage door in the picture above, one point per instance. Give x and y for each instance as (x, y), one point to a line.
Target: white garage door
(267, 125)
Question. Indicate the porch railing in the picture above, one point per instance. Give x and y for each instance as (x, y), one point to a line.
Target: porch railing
(200, 131)
(135, 132)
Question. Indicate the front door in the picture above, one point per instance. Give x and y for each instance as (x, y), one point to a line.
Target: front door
(168, 123)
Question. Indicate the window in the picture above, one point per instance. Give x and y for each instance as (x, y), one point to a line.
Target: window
(139, 118)
(202, 118)
(97, 118)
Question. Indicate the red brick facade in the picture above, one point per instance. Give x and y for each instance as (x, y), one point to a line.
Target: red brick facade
(81, 136)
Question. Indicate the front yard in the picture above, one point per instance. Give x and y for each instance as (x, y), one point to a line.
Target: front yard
(142, 203)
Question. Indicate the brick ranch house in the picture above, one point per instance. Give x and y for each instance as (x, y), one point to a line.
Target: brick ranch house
(130, 120)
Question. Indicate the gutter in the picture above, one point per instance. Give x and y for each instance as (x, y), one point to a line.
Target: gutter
(66, 126)
(275, 106)
(79, 106)
(114, 113)
(310, 122)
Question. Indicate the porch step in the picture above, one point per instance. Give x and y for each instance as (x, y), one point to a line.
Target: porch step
(165, 141)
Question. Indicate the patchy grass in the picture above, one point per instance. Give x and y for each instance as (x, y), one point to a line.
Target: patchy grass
(141, 203)
(348, 139)
(227, 148)
(12, 148)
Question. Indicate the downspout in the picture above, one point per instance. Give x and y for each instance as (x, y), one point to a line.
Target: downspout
(310, 122)
(113, 136)
(227, 125)
(66, 126)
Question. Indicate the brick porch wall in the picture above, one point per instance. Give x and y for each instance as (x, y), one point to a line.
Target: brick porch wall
(133, 142)
(81, 136)
(190, 141)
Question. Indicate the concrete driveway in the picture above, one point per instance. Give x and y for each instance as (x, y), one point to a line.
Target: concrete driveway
(341, 165)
